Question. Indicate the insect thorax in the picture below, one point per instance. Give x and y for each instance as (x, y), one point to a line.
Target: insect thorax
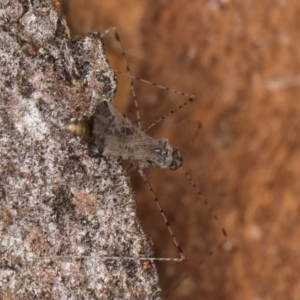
(112, 134)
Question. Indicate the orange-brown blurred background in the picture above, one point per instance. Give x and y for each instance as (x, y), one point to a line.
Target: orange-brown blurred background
(242, 61)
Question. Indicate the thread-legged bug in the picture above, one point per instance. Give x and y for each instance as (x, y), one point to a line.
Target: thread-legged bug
(110, 133)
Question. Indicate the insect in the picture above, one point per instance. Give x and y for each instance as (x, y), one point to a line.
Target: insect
(109, 133)
(112, 134)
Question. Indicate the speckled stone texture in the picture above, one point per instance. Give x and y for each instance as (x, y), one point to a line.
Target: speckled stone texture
(62, 211)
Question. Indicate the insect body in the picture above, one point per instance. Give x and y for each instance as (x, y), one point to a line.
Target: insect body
(112, 134)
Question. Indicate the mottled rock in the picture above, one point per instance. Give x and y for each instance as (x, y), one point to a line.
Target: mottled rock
(62, 211)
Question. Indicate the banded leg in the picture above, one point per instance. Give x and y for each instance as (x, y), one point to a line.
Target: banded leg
(180, 252)
(118, 39)
(189, 96)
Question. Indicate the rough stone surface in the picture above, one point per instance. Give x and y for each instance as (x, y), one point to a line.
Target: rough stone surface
(63, 212)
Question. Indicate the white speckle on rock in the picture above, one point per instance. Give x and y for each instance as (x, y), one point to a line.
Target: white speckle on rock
(32, 123)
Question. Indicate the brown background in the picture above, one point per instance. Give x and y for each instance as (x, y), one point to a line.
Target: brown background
(242, 61)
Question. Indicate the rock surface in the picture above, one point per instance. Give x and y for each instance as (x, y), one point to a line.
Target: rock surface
(63, 212)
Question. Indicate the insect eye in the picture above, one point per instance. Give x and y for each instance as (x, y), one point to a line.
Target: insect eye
(176, 160)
